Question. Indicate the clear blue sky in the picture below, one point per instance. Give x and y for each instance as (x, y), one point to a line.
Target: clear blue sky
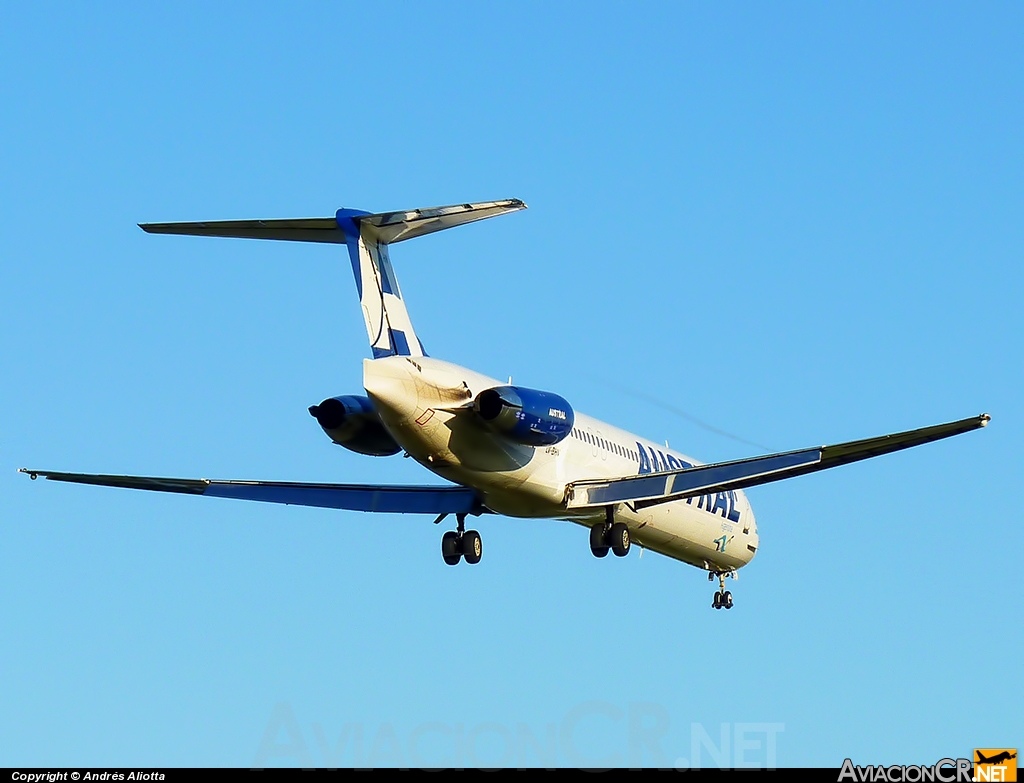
(800, 223)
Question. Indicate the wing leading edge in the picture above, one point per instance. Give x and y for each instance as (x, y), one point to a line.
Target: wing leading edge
(654, 488)
(351, 497)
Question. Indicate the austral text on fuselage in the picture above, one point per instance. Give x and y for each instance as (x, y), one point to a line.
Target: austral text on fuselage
(654, 461)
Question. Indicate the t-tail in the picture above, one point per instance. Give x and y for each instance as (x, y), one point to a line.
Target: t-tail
(367, 236)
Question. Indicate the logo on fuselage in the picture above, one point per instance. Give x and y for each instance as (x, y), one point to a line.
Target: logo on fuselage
(654, 461)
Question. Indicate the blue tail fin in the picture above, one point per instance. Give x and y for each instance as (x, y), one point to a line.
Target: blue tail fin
(367, 236)
(388, 326)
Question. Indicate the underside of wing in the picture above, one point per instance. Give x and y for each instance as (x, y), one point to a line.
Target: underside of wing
(654, 488)
(352, 497)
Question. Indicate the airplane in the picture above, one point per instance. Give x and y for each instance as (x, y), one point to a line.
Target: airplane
(506, 449)
(996, 759)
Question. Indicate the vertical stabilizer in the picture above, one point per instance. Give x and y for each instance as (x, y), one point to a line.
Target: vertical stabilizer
(368, 236)
(388, 326)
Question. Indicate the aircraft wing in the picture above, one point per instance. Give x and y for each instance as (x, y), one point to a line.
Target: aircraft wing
(353, 497)
(654, 488)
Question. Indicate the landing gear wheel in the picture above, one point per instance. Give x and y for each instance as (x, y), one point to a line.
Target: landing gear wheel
(450, 548)
(619, 538)
(723, 598)
(472, 547)
(598, 540)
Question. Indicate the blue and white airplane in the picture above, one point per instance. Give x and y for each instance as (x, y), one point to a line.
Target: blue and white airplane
(506, 449)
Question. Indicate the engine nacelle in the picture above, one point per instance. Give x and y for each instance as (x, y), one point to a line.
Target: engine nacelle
(527, 416)
(352, 422)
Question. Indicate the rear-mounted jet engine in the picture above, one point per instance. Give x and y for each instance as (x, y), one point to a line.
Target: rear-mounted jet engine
(351, 421)
(526, 416)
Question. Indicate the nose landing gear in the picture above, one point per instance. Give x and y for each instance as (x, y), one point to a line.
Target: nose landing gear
(723, 598)
(456, 544)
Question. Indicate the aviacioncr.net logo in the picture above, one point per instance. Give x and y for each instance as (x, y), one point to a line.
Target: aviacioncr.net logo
(942, 771)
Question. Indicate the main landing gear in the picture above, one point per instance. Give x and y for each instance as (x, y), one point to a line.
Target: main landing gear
(609, 535)
(461, 543)
(723, 598)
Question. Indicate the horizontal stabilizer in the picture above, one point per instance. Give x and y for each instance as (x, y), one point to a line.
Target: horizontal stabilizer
(387, 227)
(654, 488)
(297, 230)
(352, 497)
(391, 227)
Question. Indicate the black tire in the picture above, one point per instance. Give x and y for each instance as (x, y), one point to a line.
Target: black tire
(717, 602)
(598, 544)
(472, 547)
(727, 599)
(450, 548)
(619, 539)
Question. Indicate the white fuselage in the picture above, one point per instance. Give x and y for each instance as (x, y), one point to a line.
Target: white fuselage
(426, 405)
